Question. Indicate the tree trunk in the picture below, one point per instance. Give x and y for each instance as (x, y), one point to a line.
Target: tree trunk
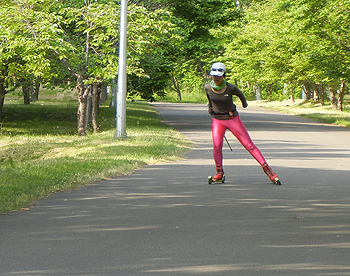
(103, 93)
(341, 95)
(26, 93)
(292, 95)
(243, 85)
(320, 92)
(257, 91)
(35, 94)
(3, 92)
(303, 93)
(82, 98)
(88, 111)
(114, 95)
(95, 105)
(308, 92)
(2, 97)
(332, 93)
(315, 94)
(176, 88)
(285, 91)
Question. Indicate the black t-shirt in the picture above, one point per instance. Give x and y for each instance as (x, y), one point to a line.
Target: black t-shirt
(222, 103)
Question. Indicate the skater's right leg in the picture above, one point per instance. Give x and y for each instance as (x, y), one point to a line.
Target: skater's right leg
(219, 174)
(218, 132)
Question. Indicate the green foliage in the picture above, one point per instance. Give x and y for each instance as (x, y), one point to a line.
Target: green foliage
(158, 41)
(166, 39)
(280, 45)
(290, 42)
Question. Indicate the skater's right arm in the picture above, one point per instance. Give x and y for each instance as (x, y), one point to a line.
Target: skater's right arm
(210, 105)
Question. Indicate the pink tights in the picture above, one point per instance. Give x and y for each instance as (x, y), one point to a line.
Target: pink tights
(238, 129)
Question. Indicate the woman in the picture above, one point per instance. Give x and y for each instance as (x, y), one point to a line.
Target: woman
(225, 116)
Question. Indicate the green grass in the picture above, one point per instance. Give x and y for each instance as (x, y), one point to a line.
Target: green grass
(196, 95)
(40, 152)
(325, 114)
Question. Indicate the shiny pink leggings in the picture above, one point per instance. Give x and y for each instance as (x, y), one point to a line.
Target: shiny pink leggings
(238, 129)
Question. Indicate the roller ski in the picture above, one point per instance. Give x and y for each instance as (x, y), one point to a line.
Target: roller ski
(218, 177)
(269, 172)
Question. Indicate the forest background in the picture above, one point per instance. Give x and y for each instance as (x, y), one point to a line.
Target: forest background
(274, 51)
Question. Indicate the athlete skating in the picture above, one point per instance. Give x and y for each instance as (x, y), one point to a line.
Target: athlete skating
(225, 116)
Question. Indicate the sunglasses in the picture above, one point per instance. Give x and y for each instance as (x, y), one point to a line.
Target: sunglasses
(219, 69)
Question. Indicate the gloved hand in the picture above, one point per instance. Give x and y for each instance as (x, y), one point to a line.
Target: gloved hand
(210, 110)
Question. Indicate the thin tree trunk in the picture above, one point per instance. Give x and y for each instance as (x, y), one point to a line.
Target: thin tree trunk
(2, 97)
(3, 92)
(35, 95)
(332, 93)
(315, 94)
(103, 93)
(257, 91)
(292, 100)
(95, 105)
(341, 95)
(320, 93)
(82, 98)
(176, 88)
(114, 95)
(88, 111)
(26, 93)
(308, 92)
(303, 93)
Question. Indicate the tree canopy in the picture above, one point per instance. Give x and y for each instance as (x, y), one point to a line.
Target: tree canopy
(291, 42)
(277, 45)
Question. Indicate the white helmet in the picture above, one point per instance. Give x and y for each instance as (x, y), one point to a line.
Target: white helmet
(217, 69)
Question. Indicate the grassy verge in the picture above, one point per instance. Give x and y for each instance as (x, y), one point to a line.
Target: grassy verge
(325, 114)
(40, 152)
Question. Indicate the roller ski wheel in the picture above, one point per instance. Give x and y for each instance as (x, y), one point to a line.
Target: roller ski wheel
(212, 180)
(276, 181)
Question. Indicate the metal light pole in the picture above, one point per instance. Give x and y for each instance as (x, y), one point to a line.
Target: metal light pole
(121, 93)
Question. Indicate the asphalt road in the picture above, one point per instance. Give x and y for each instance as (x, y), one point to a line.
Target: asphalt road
(166, 220)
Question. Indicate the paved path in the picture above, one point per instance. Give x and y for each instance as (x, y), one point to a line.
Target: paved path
(165, 219)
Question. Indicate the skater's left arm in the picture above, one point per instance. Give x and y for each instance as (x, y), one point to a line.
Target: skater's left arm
(241, 96)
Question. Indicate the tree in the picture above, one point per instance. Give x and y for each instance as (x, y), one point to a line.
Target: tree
(291, 42)
(21, 59)
(83, 36)
(203, 47)
(155, 44)
(198, 48)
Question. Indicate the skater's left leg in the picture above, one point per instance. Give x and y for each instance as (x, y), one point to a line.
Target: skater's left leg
(270, 173)
(238, 129)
